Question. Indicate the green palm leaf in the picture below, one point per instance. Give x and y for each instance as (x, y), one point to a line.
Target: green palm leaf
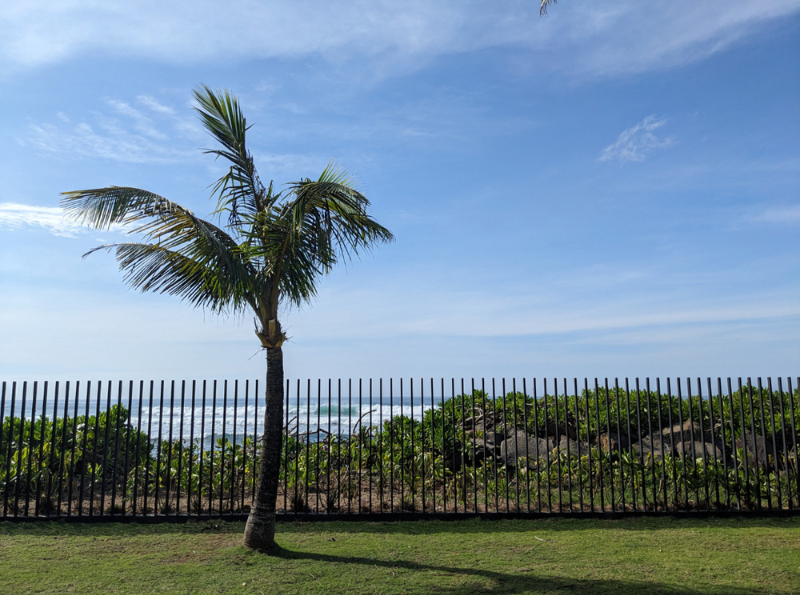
(240, 190)
(191, 258)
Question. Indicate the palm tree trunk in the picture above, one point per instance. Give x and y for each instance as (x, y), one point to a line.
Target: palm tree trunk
(259, 534)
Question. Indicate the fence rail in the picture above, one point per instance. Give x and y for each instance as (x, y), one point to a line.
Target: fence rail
(167, 450)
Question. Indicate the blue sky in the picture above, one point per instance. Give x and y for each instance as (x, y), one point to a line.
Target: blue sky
(612, 190)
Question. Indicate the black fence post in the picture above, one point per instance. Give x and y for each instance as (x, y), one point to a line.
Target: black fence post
(40, 463)
(190, 471)
(421, 434)
(794, 434)
(20, 450)
(588, 443)
(31, 449)
(167, 508)
(10, 443)
(256, 441)
(180, 454)
(244, 447)
(786, 452)
(113, 509)
(61, 467)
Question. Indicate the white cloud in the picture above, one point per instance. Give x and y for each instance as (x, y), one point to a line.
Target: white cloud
(584, 38)
(155, 135)
(477, 314)
(636, 142)
(126, 134)
(790, 214)
(15, 216)
(110, 142)
(125, 109)
(142, 124)
(154, 105)
(632, 36)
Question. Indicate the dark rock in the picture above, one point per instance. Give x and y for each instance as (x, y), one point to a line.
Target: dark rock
(492, 434)
(673, 435)
(785, 450)
(679, 438)
(567, 444)
(652, 444)
(697, 450)
(471, 422)
(521, 445)
(677, 442)
(613, 441)
(553, 430)
(791, 441)
(481, 453)
(759, 450)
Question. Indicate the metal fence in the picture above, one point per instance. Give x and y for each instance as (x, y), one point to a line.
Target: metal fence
(410, 448)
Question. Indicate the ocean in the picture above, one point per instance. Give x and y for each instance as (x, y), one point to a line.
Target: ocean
(189, 410)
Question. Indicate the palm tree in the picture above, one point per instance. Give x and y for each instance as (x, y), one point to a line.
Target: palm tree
(271, 250)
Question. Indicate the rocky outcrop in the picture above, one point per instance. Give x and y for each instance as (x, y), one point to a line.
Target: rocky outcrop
(490, 433)
(681, 432)
(699, 450)
(613, 442)
(759, 450)
(520, 445)
(567, 444)
(652, 445)
(678, 441)
(689, 440)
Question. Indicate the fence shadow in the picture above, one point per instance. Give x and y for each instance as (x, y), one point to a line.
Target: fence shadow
(404, 527)
(422, 527)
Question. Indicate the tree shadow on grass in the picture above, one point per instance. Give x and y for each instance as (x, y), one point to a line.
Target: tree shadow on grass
(444, 578)
(526, 581)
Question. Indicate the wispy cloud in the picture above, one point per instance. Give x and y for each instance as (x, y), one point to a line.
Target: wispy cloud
(789, 214)
(454, 313)
(636, 142)
(142, 123)
(292, 165)
(154, 105)
(152, 134)
(631, 36)
(17, 216)
(146, 131)
(587, 38)
(105, 141)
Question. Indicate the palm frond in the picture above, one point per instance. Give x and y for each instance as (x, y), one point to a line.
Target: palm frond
(182, 254)
(240, 190)
(291, 269)
(102, 207)
(304, 237)
(152, 267)
(543, 6)
(332, 210)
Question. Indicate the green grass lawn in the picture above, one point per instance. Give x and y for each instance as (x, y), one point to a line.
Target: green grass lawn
(646, 555)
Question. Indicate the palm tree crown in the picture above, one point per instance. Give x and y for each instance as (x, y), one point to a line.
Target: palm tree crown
(272, 248)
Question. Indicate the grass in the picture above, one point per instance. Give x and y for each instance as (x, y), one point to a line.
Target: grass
(644, 555)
